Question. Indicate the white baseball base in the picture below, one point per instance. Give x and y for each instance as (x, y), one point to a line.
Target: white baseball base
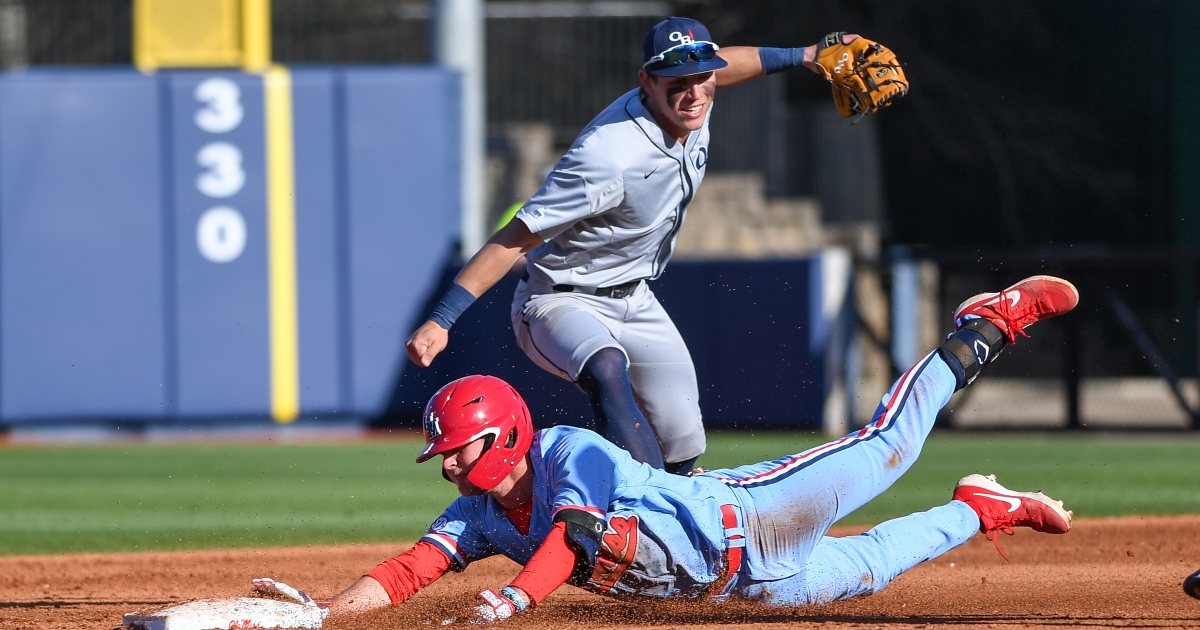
(241, 612)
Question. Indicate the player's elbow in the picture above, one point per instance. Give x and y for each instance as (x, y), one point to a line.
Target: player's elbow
(516, 236)
(365, 595)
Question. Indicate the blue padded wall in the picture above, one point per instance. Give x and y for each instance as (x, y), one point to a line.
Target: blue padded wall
(319, 240)
(222, 308)
(122, 295)
(81, 251)
(402, 203)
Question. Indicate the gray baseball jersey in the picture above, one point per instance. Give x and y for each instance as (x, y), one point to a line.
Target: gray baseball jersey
(611, 209)
(610, 213)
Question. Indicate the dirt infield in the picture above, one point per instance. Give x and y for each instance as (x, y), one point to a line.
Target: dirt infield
(1106, 572)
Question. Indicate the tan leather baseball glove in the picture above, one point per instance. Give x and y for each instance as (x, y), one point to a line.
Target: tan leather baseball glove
(866, 76)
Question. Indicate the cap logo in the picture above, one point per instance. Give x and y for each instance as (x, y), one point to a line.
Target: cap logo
(433, 426)
(685, 40)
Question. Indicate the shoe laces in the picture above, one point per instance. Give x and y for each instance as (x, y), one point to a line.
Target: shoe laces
(1016, 322)
(993, 535)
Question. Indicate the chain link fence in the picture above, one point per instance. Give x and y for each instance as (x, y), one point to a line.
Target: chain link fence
(557, 63)
(1125, 358)
(552, 63)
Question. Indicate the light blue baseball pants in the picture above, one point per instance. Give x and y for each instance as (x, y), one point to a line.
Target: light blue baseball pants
(789, 504)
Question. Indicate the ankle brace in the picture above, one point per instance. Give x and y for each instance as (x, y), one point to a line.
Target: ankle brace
(970, 348)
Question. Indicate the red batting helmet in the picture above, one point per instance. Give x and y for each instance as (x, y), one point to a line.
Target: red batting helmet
(473, 407)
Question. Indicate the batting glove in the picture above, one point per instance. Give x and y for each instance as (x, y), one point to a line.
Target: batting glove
(498, 606)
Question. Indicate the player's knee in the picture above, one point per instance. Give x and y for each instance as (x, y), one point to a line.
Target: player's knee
(826, 587)
(681, 442)
(605, 369)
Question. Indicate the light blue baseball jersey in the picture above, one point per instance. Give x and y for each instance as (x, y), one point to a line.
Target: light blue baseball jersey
(671, 524)
(611, 209)
(670, 535)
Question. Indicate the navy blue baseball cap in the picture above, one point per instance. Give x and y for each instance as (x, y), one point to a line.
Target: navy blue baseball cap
(679, 46)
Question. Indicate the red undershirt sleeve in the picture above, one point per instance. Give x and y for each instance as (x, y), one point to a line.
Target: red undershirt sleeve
(410, 571)
(550, 567)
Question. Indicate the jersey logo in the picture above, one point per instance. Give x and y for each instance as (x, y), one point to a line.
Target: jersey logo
(440, 523)
(617, 549)
(647, 175)
(433, 426)
(702, 158)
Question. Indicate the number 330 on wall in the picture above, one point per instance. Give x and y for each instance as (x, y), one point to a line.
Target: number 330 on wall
(221, 230)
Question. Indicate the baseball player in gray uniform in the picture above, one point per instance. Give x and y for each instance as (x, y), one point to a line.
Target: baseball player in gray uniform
(604, 222)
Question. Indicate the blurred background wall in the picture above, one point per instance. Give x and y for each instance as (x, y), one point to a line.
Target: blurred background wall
(1037, 138)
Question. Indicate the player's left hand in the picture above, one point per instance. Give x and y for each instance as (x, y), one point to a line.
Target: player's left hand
(866, 76)
(497, 606)
(811, 52)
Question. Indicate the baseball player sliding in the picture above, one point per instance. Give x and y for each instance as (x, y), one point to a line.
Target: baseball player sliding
(606, 220)
(571, 506)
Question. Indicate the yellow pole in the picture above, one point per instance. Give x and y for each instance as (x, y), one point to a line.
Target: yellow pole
(281, 246)
(256, 35)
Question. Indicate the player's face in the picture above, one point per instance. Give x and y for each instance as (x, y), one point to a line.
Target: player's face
(679, 104)
(457, 463)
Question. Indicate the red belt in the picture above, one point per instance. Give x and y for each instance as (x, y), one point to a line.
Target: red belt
(735, 544)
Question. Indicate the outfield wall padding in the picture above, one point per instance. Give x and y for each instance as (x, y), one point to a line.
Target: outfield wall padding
(111, 309)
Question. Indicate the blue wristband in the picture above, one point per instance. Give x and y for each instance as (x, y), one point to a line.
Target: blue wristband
(778, 59)
(515, 597)
(454, 301)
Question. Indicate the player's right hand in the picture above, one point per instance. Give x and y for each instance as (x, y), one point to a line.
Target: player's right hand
(496, 607)
(426, 343)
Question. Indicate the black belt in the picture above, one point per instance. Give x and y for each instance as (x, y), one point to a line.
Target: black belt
(615, 292)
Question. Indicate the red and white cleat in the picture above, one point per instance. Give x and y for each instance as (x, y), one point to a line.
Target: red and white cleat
(1021, 305)
(1001, 509)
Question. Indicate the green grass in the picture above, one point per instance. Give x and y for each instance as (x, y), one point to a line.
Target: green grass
(57, 500)
(115, 498)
